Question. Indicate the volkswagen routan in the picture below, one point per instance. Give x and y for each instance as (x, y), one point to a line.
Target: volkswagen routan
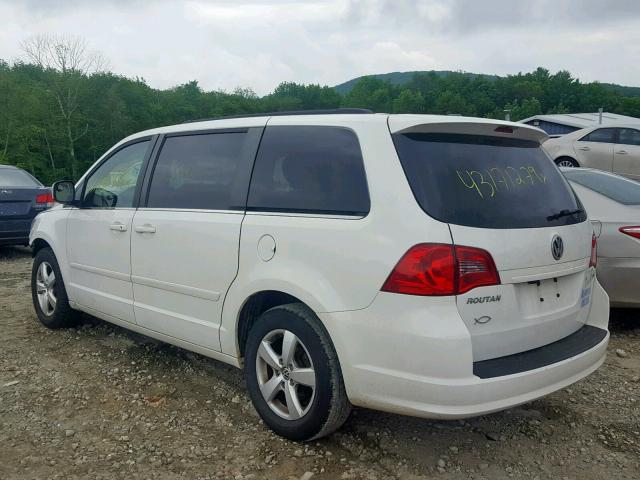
(435, 266)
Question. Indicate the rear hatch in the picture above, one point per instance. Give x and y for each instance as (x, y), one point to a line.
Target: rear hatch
(498, 191)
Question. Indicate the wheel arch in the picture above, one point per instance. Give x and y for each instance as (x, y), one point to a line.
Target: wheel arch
(254, 306)
(247, 302)
(38, 244)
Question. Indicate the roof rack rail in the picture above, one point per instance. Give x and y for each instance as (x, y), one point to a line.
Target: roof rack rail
(330, 111)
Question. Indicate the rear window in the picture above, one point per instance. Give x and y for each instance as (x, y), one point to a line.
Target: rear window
(616, 188)
(10, 177)
(308, 169)
(487, 182)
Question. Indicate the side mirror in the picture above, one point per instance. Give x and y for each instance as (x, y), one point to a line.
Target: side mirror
(64, 192)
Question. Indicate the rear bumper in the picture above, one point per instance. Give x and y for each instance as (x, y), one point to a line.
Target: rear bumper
(420, 363)
(620, 277)
(575, 344)
(15, 232)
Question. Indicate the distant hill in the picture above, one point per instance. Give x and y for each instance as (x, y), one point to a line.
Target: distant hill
(400, 78)
(624, 90)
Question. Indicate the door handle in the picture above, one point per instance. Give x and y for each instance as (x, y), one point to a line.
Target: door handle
(146, 228)
(118, 227)
(622, 152)
(584, 149)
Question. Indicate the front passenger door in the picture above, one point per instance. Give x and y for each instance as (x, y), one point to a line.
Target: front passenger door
(626, 160)
(99, 234)
(595, 150)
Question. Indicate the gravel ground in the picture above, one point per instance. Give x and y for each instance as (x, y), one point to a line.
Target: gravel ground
(102, 403)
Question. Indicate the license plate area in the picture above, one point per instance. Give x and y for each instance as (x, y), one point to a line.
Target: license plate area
(9, 209)
(540, 297)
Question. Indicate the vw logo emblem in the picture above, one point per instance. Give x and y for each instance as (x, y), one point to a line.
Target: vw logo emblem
(557, 247)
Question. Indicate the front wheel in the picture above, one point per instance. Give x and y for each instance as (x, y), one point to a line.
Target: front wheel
(48, 292)
(293, 374)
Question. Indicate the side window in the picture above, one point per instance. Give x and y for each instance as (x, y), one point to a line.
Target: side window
(309, 169)
(197, 171)
(629, 136)
(113, 184)
(601, 135)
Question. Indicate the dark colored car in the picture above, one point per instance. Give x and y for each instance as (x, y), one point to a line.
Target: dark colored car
(22, 197)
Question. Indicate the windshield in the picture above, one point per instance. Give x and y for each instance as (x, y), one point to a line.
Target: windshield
(618, 189)
(15, 178)
(487, 182)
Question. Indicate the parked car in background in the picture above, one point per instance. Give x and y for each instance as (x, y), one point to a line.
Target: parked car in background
(22, 197)
(427, 265)
(612, 148)
(613, 205)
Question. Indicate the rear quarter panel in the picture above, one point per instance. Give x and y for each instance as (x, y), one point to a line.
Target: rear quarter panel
(334, 264)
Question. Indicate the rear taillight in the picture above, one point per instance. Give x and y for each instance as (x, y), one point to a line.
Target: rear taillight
(44, 200)
(594, 251)
(475, 268)
(439, 269)
(631, 231)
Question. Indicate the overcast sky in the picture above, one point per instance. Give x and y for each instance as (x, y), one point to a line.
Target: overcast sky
(258, 44)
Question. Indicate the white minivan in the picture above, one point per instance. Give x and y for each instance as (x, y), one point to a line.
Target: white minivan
(435, 266)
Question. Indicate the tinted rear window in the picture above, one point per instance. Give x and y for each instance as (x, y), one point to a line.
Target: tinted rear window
(10, 177)
(616, 188)
(309, 169)
(489, 182)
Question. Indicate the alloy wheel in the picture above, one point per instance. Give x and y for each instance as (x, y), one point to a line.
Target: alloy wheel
(285, 374)
(45, 284)
(566, 164)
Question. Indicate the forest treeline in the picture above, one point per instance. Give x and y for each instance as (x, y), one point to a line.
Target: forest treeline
(55, 122)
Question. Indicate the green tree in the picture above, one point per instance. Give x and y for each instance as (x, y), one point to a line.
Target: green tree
(409, 101)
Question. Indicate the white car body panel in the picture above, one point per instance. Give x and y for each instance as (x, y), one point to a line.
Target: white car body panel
(181, 295)
(186, 283)
(100, 260)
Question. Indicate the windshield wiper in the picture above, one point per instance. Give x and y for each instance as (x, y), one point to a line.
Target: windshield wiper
(564, 213)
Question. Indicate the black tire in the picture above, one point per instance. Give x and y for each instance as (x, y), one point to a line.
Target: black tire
(568, 162)
(62, 316)
(329, 407)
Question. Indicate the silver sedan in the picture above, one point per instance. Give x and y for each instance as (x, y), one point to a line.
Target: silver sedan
(613, 205)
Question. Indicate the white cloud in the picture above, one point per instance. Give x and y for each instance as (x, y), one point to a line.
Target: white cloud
(258, 44)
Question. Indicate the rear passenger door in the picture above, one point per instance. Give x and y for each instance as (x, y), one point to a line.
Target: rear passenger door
(626, 160)
(184, 245)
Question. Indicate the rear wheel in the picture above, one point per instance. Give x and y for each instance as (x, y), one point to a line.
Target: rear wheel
(566, 162)
(48, 293)
(293, 375)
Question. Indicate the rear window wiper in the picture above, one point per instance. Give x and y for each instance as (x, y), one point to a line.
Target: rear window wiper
(564, 213)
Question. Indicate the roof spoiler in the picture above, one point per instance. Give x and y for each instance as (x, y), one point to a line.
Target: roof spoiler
(465, 125)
